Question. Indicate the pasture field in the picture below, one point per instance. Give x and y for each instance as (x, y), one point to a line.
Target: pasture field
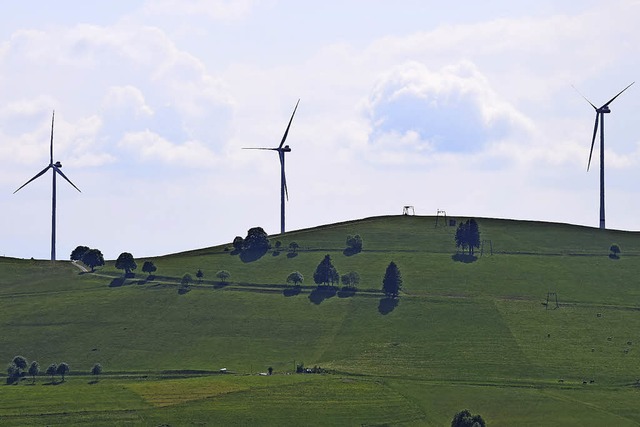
(475, 335)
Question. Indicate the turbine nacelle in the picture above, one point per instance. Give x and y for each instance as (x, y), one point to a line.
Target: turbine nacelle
(286, 149)
(57, 164)
(604, 110)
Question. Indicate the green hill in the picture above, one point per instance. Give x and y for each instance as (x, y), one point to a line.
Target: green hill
(474, 335)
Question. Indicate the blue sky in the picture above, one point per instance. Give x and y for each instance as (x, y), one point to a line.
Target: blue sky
(466, 107)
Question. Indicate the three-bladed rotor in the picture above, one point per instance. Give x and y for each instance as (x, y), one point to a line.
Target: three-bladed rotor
(56, 170)
(602, 110)
(281, 149)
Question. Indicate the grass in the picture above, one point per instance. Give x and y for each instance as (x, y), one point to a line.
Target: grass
(463, 335)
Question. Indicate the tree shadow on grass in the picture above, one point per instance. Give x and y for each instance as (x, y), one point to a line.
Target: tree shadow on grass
(117, 282)
(322, 293)
(346, 292)
(292, 292)
(351, 251)
(220, 285)
(275, 253)
(183, 290)
(614, 256)
(465, 258)
(93, 382)
(387, 305)
(292, 254)
(251, 256)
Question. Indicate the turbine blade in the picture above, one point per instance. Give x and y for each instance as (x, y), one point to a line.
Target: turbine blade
(284, 137)
(65, 177)
(284, 176)
(35, 177)
(585, 98)
(595, 130)
(51, 146)
(260, 148)
(286, 191)
(611, 100)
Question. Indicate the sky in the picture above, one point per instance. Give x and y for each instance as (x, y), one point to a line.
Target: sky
(467, 107)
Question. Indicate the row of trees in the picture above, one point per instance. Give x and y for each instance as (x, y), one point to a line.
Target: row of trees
(17, 369)
(468, 236)
(327, 275)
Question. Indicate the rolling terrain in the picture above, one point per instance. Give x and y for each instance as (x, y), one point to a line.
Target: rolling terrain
(475, 335)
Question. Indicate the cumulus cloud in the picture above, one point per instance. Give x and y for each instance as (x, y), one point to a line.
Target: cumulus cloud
(417, 111)
(150, 147)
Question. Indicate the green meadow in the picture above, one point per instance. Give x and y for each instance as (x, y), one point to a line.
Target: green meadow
(462, 335)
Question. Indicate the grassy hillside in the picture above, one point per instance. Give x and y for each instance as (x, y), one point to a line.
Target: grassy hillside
(470, 335)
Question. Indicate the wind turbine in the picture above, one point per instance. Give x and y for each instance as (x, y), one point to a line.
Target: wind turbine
(281, 149)
(56, 170)
(600, 112)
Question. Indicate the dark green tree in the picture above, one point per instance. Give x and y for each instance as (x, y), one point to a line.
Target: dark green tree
(126, 262)
(468, 236)
(238, 242)
(13, 373)
(392, 282)
(34, 370)
(351, 279)
(149, 267)
(199, 275)
(326, 273)
(93, 258)
(615, 251)
(256, 240)
(21, 363)
(354, 244)
(296, 278)
(223, 275)
(293, 247)
(52, 370)
(465, 419)
(186, 280)
(96, 370)
(62, 370)
(78, 252)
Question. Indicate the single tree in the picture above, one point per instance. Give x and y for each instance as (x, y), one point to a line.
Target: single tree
(96, 370)
(615, 251)
(392, 282)
(354, 244)
(256, 240)
(21, 363)
(293, 247)
(52, 370)
(186, 280)
(223, 275)
(465, 419)
(62, 370)
(93, 258)
(34, 369)
(296, 278)
(78, 252)
(326, 273)
(149, 267)
(13, 373)
(126, 262)
(277, 245)
(199, 275)
(238, 242)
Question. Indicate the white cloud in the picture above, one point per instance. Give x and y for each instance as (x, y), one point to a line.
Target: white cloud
(149, 146)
